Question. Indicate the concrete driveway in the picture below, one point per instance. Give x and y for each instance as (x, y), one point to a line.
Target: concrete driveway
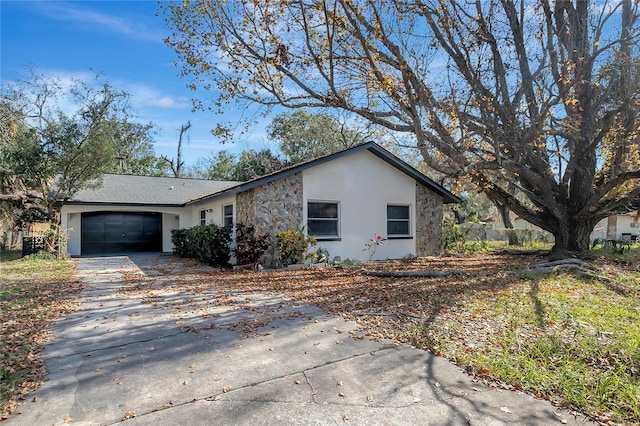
(147, 346)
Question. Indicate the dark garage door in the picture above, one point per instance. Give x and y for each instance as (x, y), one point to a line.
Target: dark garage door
(108, 233)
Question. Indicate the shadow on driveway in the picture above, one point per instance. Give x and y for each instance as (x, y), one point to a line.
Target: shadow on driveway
(158, 341)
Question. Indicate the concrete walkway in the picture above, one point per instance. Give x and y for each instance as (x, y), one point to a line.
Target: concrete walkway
(147, 346)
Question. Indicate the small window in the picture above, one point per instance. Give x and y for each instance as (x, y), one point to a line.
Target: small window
(227, 215)
(322, 220)
(398, 224)
(203, 217)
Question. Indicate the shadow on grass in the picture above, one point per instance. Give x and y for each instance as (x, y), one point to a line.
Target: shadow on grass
(9, 255)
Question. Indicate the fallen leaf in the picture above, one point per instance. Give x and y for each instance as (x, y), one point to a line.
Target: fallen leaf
(129, 415)
(35, 399)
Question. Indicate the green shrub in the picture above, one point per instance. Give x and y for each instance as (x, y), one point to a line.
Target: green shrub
(292, 246)
(179, 241)
(250, 245)
(42, 255)
(207, 243)
(613, 246)
(454, 235)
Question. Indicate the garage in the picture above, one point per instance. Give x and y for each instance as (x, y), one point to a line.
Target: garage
(120, 232)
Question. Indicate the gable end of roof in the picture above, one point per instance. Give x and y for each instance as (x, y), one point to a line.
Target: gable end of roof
(372, 147)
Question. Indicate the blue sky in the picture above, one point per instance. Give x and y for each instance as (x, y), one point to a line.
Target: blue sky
(123, 40)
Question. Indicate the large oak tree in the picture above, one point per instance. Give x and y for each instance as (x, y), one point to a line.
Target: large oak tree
(535, 96)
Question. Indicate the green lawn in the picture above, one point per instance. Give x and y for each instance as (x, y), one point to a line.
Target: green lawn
(571, 340)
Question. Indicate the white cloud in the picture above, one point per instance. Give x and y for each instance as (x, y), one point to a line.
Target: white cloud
(67, 11)
(142, 95)
(146, 96)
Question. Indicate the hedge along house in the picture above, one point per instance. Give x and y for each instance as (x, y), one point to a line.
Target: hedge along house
(342, 199)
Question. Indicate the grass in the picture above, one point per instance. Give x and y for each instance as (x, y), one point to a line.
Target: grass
(570, 340)
(9, 255)
(486, 246)
(33, 292)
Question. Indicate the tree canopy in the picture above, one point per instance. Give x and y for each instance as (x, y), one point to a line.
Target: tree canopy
(302, 136)
(59, 137)
(247, 165)
(540, 96)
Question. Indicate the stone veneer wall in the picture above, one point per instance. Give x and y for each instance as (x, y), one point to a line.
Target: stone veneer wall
(272, 207)
(429, 206)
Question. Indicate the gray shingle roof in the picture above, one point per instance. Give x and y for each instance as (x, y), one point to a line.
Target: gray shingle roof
(148, 190)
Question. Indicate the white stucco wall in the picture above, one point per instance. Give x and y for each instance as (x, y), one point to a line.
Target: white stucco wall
(172, 218)
(213, 210)
(623, 224)
(363, 185)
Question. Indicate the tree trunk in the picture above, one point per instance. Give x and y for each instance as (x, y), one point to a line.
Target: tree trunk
(504, 211)
(572, 238)
(506, 221)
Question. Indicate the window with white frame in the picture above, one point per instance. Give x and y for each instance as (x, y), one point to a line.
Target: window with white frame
(203, 217)
(227, 215)
(398, 223)
(323, 219)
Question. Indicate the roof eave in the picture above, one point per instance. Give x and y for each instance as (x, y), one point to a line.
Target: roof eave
(377, 150)
(118, 204)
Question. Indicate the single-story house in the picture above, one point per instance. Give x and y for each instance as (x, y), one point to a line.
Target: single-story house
(623, 226)
(342, 199)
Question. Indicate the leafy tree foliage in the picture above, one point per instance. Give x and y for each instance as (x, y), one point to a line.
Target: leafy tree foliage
(134, 153)
(303, 136)
(49, 153)
(220, 166)
(253, 164)
(248, 165)
(538, 95)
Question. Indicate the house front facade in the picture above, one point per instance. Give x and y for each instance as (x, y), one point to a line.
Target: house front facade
(343, 200)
